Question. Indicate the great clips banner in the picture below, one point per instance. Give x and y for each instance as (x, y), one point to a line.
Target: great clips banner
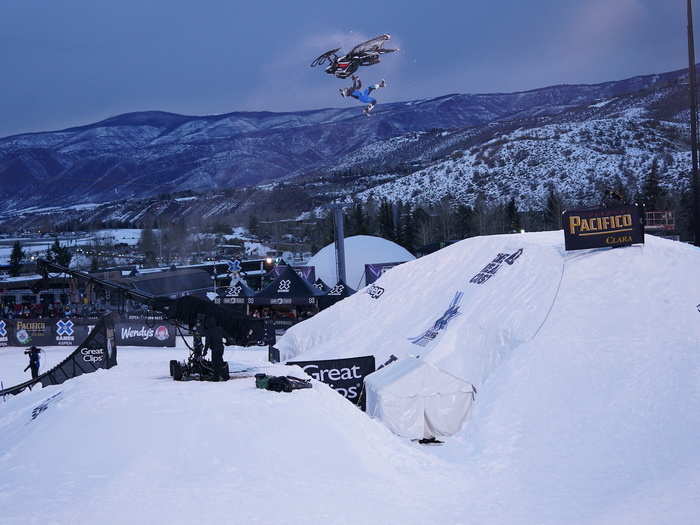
(603, 227)
(345, 376)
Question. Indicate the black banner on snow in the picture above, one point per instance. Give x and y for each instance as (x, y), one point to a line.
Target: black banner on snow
(72, 332)
(603, 227)
(43, 332)
(98, 350)
(345, 376)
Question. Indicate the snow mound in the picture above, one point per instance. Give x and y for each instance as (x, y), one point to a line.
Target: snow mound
(130, 445)
(587, 368)
(359, 250)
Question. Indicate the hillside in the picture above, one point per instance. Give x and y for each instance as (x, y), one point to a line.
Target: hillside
(146, 154)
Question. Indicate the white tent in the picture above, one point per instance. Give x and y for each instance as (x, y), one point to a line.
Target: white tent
(417, 400)
(359, 250)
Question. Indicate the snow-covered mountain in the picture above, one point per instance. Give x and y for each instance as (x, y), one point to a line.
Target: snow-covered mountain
(613, 142)
(150, 153)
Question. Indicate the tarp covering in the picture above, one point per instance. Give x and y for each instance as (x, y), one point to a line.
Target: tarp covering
(417, 400)
(172, 283)
(288, 288)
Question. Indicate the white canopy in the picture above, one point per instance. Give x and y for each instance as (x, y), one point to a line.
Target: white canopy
(415, 399)
(359, 250)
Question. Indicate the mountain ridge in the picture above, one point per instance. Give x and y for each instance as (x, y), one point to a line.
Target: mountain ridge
(142, 154)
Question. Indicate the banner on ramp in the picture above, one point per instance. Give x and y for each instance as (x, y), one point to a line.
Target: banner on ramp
(345, 376)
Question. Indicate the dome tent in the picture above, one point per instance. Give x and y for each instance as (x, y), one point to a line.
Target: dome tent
(359, 250)
(417, 400)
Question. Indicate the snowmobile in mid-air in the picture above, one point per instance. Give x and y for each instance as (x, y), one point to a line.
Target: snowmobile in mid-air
(365, 54)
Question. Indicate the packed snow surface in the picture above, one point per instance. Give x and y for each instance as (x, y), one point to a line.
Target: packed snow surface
(359, 250)
(587, 412)
(129, 445)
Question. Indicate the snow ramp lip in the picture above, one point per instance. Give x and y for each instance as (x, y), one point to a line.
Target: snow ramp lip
(98, 350)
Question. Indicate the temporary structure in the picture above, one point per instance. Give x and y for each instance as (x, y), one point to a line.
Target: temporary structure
(417, 400)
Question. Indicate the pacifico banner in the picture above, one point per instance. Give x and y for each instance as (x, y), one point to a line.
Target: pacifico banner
(604, 227)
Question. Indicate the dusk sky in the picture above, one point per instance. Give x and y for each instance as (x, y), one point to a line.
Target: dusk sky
(73, 62)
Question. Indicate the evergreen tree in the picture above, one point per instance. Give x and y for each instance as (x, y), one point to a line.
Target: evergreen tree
(407, 235)
(386, 220)
(553, 210)
(16, 258)
(253, 225)
(147, 243)
(514, 225)
(60, 254)
(652, 193)
(464, 219)
(358, 220)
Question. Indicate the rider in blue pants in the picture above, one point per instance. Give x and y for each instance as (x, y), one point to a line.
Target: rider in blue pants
(356, 91)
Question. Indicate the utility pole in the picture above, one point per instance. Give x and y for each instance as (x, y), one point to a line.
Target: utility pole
(339, 243)
(693, 125)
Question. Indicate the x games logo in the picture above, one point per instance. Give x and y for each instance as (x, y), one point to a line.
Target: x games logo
(64, 328)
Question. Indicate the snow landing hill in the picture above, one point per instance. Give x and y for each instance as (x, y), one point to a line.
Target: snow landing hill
(587, 412)
(586, 364)
(137, 155)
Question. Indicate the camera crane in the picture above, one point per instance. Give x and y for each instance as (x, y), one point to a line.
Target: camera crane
(188, 312)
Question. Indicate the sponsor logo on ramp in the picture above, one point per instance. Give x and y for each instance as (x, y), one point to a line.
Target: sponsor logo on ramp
(441, 323)
(603, 227)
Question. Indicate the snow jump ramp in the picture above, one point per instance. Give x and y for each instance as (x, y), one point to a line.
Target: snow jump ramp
(463, 309)
(98, 350)
(476, 307)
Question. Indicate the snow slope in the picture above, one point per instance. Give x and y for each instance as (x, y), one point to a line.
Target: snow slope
(587, 412)
(129, 445)
(587, 366)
